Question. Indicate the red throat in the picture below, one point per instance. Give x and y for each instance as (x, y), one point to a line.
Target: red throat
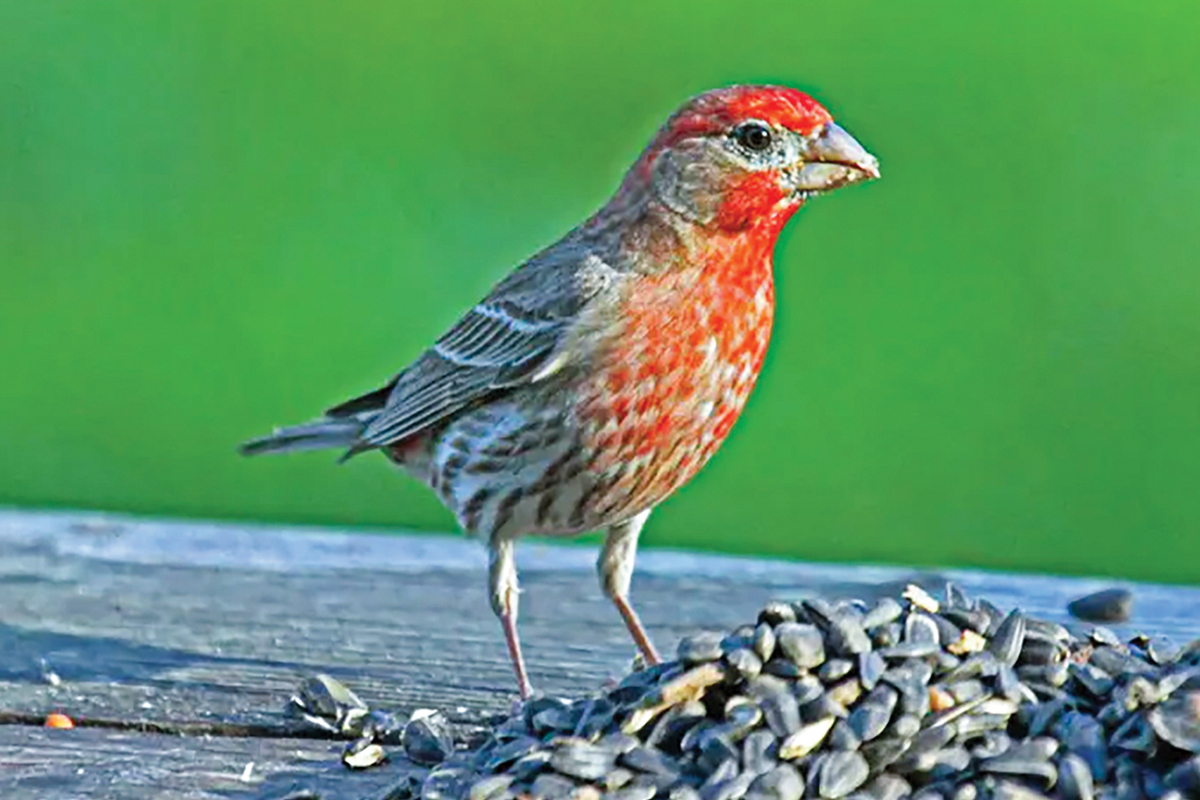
(756, 202)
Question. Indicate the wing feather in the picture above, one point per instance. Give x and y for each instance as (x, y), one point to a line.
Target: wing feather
(506, 340)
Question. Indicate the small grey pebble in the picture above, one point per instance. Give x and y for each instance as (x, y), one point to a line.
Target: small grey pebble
(1108, 605)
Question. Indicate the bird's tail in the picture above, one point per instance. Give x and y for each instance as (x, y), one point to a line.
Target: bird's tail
(314, 435)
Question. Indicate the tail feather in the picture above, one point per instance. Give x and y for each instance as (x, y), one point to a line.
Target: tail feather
(314, 435)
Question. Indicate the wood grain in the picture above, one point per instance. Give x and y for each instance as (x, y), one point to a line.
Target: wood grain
(159, 629)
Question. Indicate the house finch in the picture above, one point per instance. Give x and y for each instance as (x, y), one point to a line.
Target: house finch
(600, 375)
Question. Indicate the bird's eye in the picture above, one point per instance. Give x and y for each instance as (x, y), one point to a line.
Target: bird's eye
(753, 136)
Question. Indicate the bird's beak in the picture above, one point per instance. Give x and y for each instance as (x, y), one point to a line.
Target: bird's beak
(832, 158)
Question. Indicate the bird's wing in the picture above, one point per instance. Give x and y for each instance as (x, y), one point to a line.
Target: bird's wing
(516, 335)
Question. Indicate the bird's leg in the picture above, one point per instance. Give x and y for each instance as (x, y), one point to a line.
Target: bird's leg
(502, 585)
(615, 566)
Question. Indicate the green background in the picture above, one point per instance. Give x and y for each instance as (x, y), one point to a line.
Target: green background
(220, 216)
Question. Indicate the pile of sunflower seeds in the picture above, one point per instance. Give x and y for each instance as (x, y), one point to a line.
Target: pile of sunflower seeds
(908, 697)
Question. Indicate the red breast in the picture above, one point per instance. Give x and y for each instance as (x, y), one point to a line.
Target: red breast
(676, 378)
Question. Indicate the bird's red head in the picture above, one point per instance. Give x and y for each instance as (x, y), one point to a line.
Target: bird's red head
(748, 156)
(723, 109)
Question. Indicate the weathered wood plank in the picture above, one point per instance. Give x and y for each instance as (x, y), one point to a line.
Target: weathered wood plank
(101, 763)
(201, 627)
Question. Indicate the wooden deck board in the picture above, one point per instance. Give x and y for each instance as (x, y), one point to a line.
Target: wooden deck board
(188, 627)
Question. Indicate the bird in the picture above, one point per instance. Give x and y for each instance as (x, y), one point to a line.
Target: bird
(601, 374)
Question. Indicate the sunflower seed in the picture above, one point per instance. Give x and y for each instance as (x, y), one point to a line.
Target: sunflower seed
(774, 613)
(835, 669)
(549, 786)
(505, 754)
(819, 696)
(846, 693)
(802, 644)
(991, 744)
(779, 706)
(408, 787)
(363, 754)
(1009, 638)
(805, 739)
(764, 641)
(493, 787)
(871, 667)
(842, 737)
(637, 790)
(845, 634)
(700, 648)
(869, 719)
(1008, 790)
(842, 773)
(885, 610)
(451, 783)
(1029, 768)
(428, 738)
(746, 662)
(921, 629)
(920, 598)
(1177, 721)
(887, 787)
(1074, 778)
(782, 782)
(650, 761)
(759, 751)
(729, 789)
